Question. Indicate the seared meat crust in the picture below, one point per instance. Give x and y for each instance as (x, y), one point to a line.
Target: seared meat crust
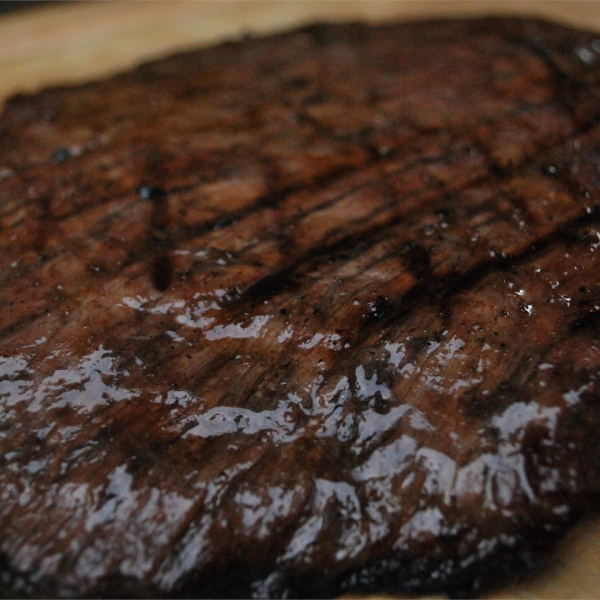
(302, 315)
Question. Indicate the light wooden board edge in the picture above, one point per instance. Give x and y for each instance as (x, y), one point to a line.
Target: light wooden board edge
(73, 43)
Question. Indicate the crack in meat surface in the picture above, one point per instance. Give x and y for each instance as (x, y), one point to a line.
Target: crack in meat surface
(302, 315)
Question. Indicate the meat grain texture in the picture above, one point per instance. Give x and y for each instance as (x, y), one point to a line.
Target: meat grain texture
(303, 315)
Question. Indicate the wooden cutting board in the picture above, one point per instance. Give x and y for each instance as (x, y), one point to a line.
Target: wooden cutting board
(76, 42)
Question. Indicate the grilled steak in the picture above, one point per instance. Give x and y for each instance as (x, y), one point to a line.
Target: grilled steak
(302, 315)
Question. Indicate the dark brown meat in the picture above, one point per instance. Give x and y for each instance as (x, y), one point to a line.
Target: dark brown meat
(302, 315)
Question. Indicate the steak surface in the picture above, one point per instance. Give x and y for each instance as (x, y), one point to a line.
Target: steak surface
(302, 315)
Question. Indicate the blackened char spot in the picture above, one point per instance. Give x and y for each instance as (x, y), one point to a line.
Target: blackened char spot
(270, 285)
(380, 309)
(499, 171)
(159, 237)
(319, 97)
(162, 272)
(151, 192)
(4, 565)
(224, 223)
(296, 83)
(484, 405)
(419, 261)
(587, 324)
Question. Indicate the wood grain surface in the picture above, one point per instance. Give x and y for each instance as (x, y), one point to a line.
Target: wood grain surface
(71, 43)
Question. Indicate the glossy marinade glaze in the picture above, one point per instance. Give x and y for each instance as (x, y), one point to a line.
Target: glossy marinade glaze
(302, 315)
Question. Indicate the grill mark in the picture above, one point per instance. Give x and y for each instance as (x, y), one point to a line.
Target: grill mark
(285, 276)
(444, 288)
(319, 182)
(160, 240)
(162, 272)
(418, 260)
(45, 223)
(507, 263)
(281, 195)
(447, 290)
(296, 218)
(576, 191)
(393, 206)
(418, 134)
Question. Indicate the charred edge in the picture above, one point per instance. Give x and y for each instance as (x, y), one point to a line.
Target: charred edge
(319, 32)
(411, 576)
(159, 238)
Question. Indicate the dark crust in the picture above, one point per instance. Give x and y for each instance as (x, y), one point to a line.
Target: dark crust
(302, 315)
